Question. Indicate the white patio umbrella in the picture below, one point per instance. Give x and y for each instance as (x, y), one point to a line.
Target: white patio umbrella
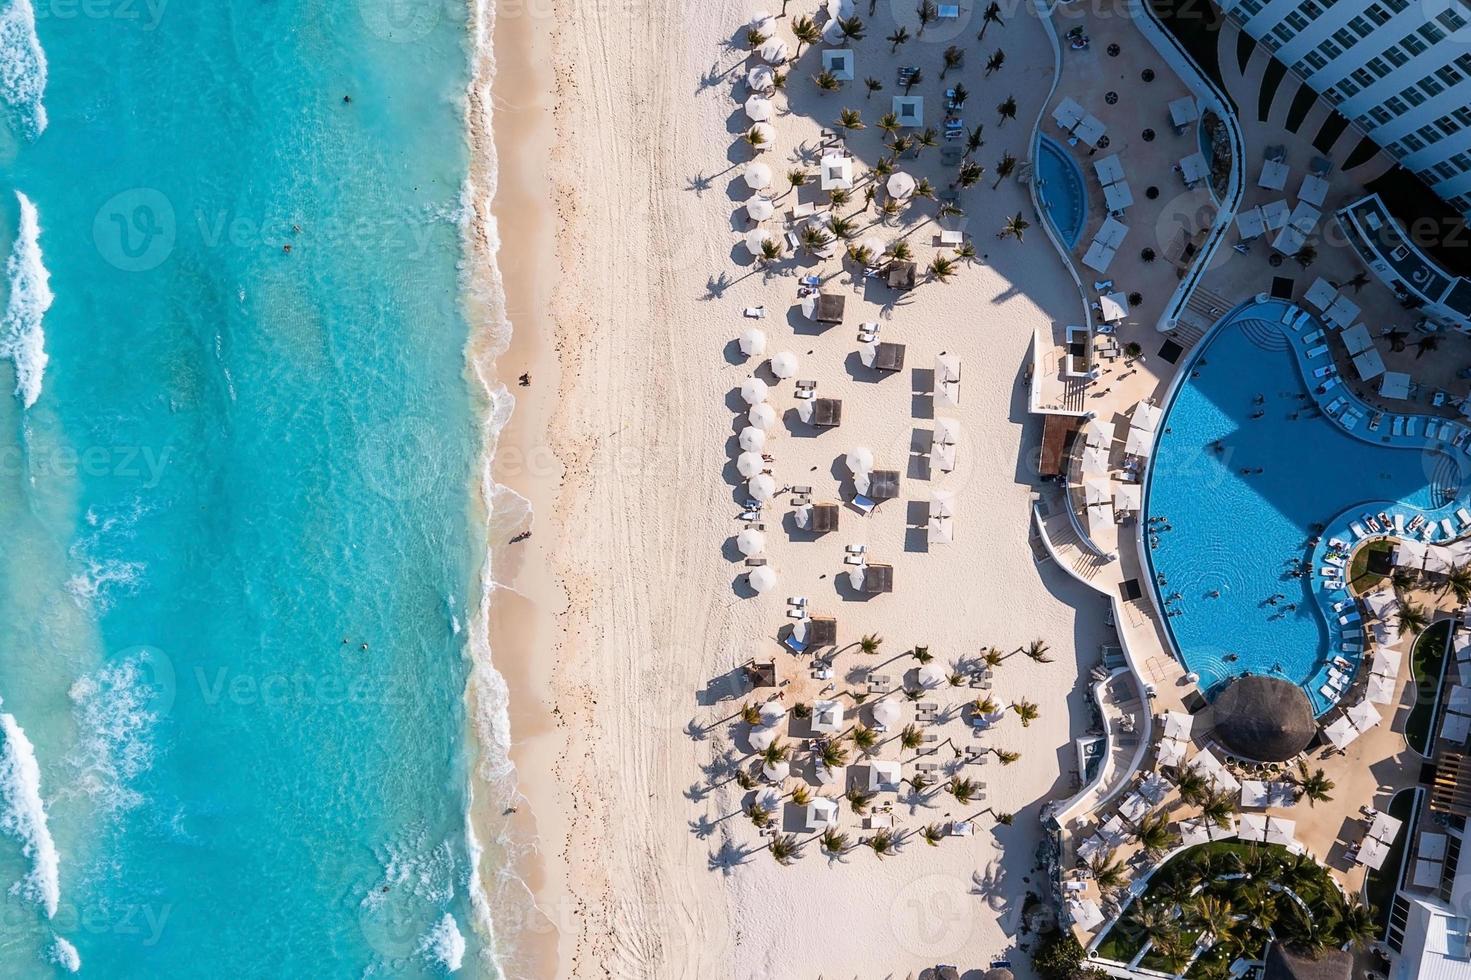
(860, 460)
(942, 504)
(855, 577)
(761, 738)
(758, 108)
(762, 487)
(931, 675)
(757, 237)
(753, 342)
(763, 578)
(752, 439)
(749, 464)
(777, 771)
(875, 246)
(762, 416)
(753, 390)
(751, 542)
(886, 713)
(763, 135)
(769, 799)
(759, 208)
(758, 176)
(763, 22)
(832, 32)
(784, 365)
(761, 79)
(774, 51)
(900, 185)
(773, 713)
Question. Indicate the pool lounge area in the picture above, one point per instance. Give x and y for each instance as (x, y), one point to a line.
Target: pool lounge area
(1062, 190)
(1266, 473)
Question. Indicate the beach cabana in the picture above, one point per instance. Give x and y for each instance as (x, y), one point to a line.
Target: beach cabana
(1369, 364)
(757, 176)
(823, 518)
(1395, 385)
(829, 308)
(836, 172)
(784, 364)
(883, 484)
(1110, 169)
(1194, 169)
(899, 185)
(901, 275)
(752, 342)
(1264, 719)
(839, 61)
(1090, 130)
(876, 579)
(888, 357)
(1068, 113)
(883, 777)
(762, 487)
(827, 717)
(822, 813)
(909, 109)
(1251, 224)
(1183, 112)
(753, 390)
(827, 412)
(763, 577)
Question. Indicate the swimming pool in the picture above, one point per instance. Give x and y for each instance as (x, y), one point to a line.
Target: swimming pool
(1062, 190)
(1233, 520)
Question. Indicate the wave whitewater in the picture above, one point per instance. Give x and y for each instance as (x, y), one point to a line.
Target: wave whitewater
(24, 815)
(22, 68)
(22, 340)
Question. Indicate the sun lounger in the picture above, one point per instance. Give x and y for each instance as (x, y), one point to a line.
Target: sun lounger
(1333, 406)
(1431, 530)
(863, 504)
(1328, 693)
(754, 312)
(1412, 425)
(1329, 384)
(1330, 559)
(1397, 427)
(1328, 571)
(1333, 585)
(1323, 371)
(1447, 527)
(1464, 516)
(1319, 351)
(1290, 314)
(1351, 420)
(1358, 530)
(1312, 338)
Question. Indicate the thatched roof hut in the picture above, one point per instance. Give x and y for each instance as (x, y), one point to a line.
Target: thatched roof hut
(1284, 964)
(824, 518)
(1265, 719)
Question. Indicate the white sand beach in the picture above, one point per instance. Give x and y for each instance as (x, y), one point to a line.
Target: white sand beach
(634, 604)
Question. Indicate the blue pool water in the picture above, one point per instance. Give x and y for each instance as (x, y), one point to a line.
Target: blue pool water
(1237, 533)
(241, 548)
(1061, 187)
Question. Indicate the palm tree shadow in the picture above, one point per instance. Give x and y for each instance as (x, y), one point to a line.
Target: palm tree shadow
(729, 856)
(703, 827)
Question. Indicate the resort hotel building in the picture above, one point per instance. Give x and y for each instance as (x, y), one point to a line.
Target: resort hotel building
(1399, 70)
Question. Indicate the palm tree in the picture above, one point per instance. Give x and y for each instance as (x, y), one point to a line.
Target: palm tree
(941, 269)
(839, 196)
(897, 38)
(745, 780)
(1458, 580)
(1027, 710)
(961, 94)
(784, 848)
(889, 123)
(864, 738)
(901, 145)
(915, 77)
(795, 179)
(1014, 227)
(1109, 874)
(1006, 757)
(953, 57)
(859, 800)
(964, 789)
(910, 738)
(900, 251)
(924, 189)
(1037, 650)
(850, 120)
(861, 255)
(1315, 785)
(927, 13)
(973, 140)
(970, 172)
(1155, 834)
(985, 705)
(890, 208)
(873, 85)
(1217, 808)
(754, 38)
(851, 28)
(1004, 167)
(993, 658)
(1412, 618)
(994, 63)
(775, 753)
(806, 32)
(1354, 923)
(922, 654)
(1257, 903)
(992, 16)
(965, 251)
(1213, 915)
(870, 643)
(801, 796)
(882, 842)
(1193, 788)
(814, 239)
(1154, 923)
(932, 834)
(750, 714)
(834, 841)
(760, 816)
(948, 209)
(1306, 256)
(832, 754)
(771, 251)
(925, 139)
(826, 81)
(755, 137)
(844, 228)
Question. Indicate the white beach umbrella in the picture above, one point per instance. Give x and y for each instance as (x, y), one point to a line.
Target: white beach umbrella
(773, 713)
(751, 542)
(840, 9)
(931, 675)
(900, 185)
(886, 713)
(753, 390)
(759, 208)
(763, 22)
(752, 439)
(942, 504)
(875, 246)
(860, 460)
(784, 365)
(774, 51)
(749, 464)
(758, 108)
(761, 738)
(824, 775)
(761, 79)
(762, 416)
(769, 800)
(855, 577)
(947, 431)
(753, 342)
(762, 487)
(763, 136)
(777, 771)
(758, 176)
(832, 32)
(757, 237)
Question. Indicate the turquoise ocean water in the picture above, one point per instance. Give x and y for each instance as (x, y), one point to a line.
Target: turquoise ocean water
(239, 543)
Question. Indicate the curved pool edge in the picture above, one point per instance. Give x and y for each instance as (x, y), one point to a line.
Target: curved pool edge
(1303, 326)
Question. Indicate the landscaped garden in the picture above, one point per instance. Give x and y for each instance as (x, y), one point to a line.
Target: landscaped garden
(1427, 660)
(1229, 899)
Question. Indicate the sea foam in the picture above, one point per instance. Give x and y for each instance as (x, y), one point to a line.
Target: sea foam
(444, 945)
(64, 955)
(22, 67)
(115, 721)
(22, 340)
(24, 815)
